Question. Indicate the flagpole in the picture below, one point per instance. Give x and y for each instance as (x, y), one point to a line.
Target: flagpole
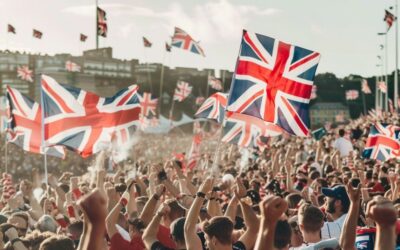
(97, 26)
(396, 77)
(43, 136)
(161, 83)
(386, 73)
(376, 93)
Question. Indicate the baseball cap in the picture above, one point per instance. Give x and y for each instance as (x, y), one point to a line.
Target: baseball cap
(337, 192)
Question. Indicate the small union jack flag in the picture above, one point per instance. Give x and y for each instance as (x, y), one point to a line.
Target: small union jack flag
(182, 91)
(364, 87)
(382, 86)
(183, 40)
(213, 108)
(83, 37)
(214, 82)
(243, 129)
(194, 153)
(144, 122)
(83, 121)
(273, 81)
(25, 73)
(101, 23)
(37, 34)
(25, 124)
(147, 104)
(389, 19)
(146, 42)
(72, 67)
(383, 142)
(352, 94)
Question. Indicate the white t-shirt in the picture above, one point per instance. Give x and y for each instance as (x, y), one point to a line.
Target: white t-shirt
(333, 229)
(331, 243)
(343, 145)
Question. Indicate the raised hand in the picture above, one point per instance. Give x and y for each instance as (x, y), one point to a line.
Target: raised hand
(240, 191)
(354, 193)
(272, 207)
(207, 185)
(382, 211)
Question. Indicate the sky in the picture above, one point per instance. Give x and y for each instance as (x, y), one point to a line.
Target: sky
(343, 31)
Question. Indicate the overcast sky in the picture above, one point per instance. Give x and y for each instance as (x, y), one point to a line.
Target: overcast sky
(343, 31)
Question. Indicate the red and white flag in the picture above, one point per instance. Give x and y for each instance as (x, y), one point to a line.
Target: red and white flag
(382, 86)
(25, 73)
(214, 82)
(147, 104)
(194, 153)
(364, 87)
(389, 19)
(101, 23)
(352, 94)
(182, 91)
(72, 67)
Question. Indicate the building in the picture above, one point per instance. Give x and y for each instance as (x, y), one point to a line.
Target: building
(328, 112)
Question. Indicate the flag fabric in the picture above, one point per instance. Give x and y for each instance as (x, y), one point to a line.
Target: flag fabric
(101, 23)
(364, 87)
(313, 92)
(25, 73)
(214, 82)
(72, 67)
(194, 153)
(25, 124)
(37, 34)
(146, 42)
(273, 81)
(168, 47)
(389, 19)
(183, 90)
(243, 129)
(83, 38)
(352, 94)
(213, 108)
(383, 142)
(382, 86)
(200, 100)
(11, 29)
(184, 41)
(83, 121)
(4, 113)
(147, 104)
(144, 122)
(319, 133)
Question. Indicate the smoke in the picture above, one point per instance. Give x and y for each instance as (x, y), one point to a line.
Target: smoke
(122, 151)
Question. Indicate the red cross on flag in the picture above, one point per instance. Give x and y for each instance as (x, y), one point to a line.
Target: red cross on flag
(182, 91)
(147, 104)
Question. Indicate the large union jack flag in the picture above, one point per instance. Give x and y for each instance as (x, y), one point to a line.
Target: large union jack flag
(83, 121)
(213, 108)
(148, 105)
(25, 124)
(273, 81)
(383, 142)
(183, 40)
(244, 130)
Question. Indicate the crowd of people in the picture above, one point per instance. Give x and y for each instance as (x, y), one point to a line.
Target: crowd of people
(293, 193)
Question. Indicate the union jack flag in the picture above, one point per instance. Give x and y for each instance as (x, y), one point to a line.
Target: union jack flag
(72, 67)
(4, 113)
(146, 42)
(194, 153)
(101, 23)
(273, 81)
(389, 19)
(214, 82)
(25, 73)
(144, 122)
(243, 130)
(83, 121)
(364, 87)
(147, 104)
(213, 108)
(183, 90)
(183, 40)
(25, 124)
(383, 142)
(37, 34)
(83, 37)
(352, 94)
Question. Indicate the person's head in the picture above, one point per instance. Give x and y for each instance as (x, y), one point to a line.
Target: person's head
(177, 211)
(311, 219)
(218, 232)
(341, 132)
(57, 243)
(46, 223)
(337, 201)
(21, 222)
(293, 200)
(33, 239)
(3, 229)
(177, 231)
(74, 231)
(136, 226)
(296, 239)
(283, 234)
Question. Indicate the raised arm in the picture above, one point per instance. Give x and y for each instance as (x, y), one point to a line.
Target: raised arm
(192, 240)
(150, 234)
(231, 209)
(112, 218)
(348, 234)
(150, 207)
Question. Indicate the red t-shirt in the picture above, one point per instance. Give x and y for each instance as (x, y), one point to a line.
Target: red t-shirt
(119, 243)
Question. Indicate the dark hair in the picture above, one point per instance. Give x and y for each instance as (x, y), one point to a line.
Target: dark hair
(177, 230)
(311, 218)
(283, 233)
(220, 227)
(293, 200)
(3, 228)
(341, 132)
(176, 210)
(368, 174)
(57, 243)
(64, 187)
(314, 175)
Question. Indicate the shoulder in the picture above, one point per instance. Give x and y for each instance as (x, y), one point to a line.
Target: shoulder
(238, 245)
